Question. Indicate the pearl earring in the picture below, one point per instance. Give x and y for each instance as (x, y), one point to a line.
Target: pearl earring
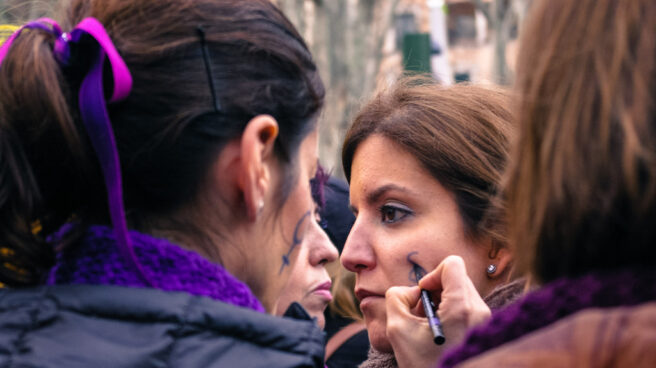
(260, 205)
(491, 269)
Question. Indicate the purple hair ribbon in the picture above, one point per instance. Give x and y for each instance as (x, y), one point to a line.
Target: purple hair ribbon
(93, 110)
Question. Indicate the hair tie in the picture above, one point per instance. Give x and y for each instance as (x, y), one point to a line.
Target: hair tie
(93, 110)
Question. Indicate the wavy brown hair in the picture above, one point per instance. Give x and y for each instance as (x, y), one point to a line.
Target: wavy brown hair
(582, 188)
(460, 134)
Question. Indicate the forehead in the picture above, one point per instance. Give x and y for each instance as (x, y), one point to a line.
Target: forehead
(382, 166)
(378, 157)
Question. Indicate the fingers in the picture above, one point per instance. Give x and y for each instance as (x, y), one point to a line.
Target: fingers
(399, 302)
(451, 270)
(408, 333)
(402, 296)
(460, 306)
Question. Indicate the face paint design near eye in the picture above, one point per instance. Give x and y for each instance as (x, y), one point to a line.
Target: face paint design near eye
(416, 271)
(295, 241)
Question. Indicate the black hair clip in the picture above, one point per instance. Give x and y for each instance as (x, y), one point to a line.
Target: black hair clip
(208, 67)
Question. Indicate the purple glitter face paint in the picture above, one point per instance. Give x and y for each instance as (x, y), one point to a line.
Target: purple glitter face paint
(295, 241)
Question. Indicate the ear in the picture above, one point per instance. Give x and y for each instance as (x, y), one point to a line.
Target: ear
(502, 258)
(257, 143)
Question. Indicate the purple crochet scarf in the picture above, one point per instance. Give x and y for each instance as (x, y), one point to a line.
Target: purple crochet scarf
(96, 260)
(552, 302)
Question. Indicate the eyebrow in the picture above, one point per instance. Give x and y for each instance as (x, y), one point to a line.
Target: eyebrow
(375, 195)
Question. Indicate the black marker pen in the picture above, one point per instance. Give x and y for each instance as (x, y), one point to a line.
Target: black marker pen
(433, 321)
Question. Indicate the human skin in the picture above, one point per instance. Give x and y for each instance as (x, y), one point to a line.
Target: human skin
(281, 248)
(460, 308)
(259, 237)
(403, 214)
(309, 283)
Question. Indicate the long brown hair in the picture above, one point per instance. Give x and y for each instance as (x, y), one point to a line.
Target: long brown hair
(582, 188)
(460, 134)
(167, 130)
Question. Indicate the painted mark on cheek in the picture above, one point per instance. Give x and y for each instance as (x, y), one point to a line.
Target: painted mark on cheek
(416, 271)
(296, 240)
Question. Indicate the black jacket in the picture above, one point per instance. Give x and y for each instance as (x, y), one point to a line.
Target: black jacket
(108, 326)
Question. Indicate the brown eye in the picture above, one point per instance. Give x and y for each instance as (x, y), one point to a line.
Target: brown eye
(391, 214)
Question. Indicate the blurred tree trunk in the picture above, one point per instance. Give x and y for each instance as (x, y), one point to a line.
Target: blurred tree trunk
(346, 39)
(503, 15)
(503, 22)
(521, 8)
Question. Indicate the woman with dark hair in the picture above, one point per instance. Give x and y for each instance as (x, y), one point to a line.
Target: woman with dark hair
(155, 159)
(424, 164)
(581, 199)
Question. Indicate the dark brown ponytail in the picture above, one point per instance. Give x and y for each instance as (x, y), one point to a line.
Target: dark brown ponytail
(34, 111)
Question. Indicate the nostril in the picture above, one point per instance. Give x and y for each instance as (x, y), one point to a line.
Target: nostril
(360, 267)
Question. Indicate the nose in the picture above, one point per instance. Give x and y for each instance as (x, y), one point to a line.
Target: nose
(357, 254)
(323, 250)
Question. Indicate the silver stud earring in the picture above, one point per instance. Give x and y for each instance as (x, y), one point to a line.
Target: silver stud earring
(491, 269)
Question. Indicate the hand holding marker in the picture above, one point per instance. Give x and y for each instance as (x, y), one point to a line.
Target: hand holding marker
(433, 321)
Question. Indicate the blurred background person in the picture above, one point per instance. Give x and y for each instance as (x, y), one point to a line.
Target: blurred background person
(347, 340)
(581, 199)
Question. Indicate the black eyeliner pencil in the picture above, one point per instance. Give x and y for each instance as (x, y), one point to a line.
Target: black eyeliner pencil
(433, 321)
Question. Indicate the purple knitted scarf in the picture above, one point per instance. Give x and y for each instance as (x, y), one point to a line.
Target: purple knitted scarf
(552, 302)
(96, 261)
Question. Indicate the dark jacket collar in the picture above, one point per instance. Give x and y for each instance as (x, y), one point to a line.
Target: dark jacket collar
(85, 325)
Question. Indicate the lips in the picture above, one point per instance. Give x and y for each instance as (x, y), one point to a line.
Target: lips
(368, 299)
(361, 294)
(323, 290)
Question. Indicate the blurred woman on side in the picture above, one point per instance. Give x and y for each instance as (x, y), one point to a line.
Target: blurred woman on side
(581, 200)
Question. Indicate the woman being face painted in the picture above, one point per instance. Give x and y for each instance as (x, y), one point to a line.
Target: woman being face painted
(309, 282)
(424, 164)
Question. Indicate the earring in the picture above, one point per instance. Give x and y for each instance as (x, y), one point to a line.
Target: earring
(491, 269)
(260, 205)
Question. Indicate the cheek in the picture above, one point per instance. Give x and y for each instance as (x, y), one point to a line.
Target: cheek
(441, 238)
(296, 216)
(396, 252)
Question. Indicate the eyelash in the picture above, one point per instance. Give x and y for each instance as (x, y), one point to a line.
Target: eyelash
(394, 210)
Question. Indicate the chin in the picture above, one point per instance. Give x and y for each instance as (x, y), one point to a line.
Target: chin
(315, 310)
(378, 336)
